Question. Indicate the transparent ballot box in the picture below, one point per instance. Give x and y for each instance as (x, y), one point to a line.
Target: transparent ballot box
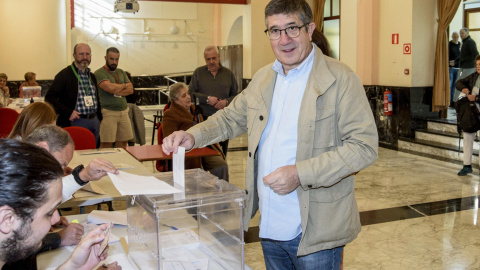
(200, 228)
(31, 91)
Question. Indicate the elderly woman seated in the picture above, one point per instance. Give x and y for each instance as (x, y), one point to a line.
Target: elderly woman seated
(4, 91)
(182, 115)
(30, 80)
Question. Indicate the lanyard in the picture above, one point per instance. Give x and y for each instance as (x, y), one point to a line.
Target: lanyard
(76, 74)
(115, 79)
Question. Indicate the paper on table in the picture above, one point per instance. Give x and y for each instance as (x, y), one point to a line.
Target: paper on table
(98, 151)
(179, 166)
(92, 187)
(132, 184)
(123, 166)
(122, 260)
(100, 217)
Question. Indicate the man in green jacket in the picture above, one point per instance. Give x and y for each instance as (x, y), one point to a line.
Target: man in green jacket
(310, 129)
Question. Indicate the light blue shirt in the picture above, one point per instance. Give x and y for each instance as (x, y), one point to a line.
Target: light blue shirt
(280, 214)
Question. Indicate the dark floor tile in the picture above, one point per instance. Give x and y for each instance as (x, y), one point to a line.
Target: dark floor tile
(387, 215)
(252, 235)
(447, 206)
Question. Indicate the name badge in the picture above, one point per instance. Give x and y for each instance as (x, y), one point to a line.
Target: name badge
(88, 101)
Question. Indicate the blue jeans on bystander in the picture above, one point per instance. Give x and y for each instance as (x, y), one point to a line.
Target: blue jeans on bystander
(453, 72)
(91, 124)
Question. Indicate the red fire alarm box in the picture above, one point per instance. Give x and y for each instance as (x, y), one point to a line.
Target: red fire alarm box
(395, 38)
(407, 48)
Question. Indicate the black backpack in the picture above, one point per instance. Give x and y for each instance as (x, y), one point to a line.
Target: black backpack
(467, 115)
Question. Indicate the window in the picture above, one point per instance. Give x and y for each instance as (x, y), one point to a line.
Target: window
(331, 25)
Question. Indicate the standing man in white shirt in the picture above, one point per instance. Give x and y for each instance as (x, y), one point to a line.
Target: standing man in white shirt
(310, 129)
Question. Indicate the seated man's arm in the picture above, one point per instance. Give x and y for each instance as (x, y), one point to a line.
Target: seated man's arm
(97, 169)
(51, 241)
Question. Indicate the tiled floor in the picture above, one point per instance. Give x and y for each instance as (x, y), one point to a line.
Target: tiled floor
(421, 215)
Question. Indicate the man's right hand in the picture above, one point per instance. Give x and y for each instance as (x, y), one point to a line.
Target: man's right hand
(97, 169)
(465, 91)
(176, 139)
(87, 253)
(74, 115)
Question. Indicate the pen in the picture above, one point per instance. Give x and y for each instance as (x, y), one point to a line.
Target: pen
(171, 227)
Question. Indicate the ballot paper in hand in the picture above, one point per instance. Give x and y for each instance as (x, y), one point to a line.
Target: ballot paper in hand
(132, 184)
(179, 167)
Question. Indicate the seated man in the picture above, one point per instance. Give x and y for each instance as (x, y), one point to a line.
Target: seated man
(60, 145)
(29, 195)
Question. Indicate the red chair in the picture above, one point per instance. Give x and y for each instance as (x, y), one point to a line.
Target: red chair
(157, 119)
(82, 137)
(162, 165)
(8, 117)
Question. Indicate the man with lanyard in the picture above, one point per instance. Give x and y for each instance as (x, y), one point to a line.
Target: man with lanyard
(73, 93)
(310, 129)
(114, 85)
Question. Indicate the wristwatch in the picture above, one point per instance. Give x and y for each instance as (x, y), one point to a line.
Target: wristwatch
(76, 175)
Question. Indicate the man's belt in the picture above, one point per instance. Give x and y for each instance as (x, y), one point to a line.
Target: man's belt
(88, 116)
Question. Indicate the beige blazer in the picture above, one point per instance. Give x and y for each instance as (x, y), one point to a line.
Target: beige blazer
(337, 137)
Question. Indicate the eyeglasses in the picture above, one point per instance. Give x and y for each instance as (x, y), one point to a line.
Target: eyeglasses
(291, 32)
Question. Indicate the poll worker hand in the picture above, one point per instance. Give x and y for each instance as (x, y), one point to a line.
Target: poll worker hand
(471, 97)
(71, 235)
(112, 266)
(283, 180)
(74, 115)
(97, 169)
(465, 91)
(6, 90)
(62, 222)
(176, 139)
(212, 101)
(221, 104)
(87, 253)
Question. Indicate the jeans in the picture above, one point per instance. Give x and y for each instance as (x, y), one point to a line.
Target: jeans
(91, 124)
(453, 72)
(282, 255)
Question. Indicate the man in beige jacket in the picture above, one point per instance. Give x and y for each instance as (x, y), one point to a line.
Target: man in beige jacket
(310, 129)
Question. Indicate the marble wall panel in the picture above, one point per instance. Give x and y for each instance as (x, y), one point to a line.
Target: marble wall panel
(411, 109)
